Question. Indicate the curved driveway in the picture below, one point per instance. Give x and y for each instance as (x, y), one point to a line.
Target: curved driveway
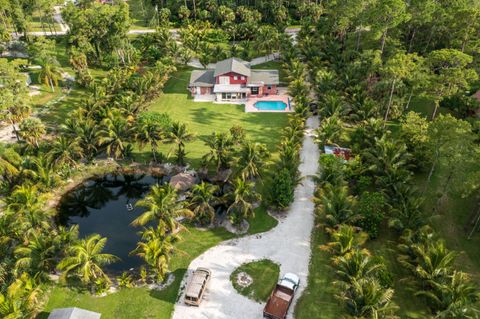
(287, 244)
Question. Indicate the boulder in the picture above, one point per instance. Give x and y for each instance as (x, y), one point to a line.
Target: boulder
(183, 181)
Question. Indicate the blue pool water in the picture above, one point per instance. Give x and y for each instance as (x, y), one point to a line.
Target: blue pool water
(270, 105)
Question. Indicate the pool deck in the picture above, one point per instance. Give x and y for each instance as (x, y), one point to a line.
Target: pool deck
(250, 104)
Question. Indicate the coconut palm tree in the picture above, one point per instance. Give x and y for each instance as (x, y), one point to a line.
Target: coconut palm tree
(331, 131)
(22, 298)
(87, 135)
(202, 198)
(407, 212)
(389, 161)
(344, 240)
(149, 131)
(367, 298)
(50, 72)
(453, 297)
(336, 205)
(432, 260)
(16, 113)
(356, 265)
(162, 204)
(85, 259)
(37, 257)
(333, 105)
(252, 158)
(179, 135)
(31, 131)
(65, 151)
(289, 151)
(242, 199)
(221, 149)
(115, 135)
(156, 249)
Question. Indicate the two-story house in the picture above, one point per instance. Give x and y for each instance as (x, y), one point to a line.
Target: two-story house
(233, 80)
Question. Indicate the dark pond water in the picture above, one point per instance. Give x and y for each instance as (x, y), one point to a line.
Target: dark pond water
(100, 206)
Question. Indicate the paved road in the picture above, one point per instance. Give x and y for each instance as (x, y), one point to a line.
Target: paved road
(287, 244)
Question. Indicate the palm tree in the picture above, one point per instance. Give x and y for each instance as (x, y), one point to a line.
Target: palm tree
(149, 131)
(156, 249)
(242, 199)
(179, 135)
(162, 204)
(331, 131)
(336, 206)
(37, 256)
(17, 113)
(431, 260)
(202, 198)
(453, 297)
(115, 135)
(22, 298)
(356, 265)
(87, 134)
(344, 240)
(221, 149)
(252, 159)
(407, 212)
(333, 105)
(389, 160)
(85, 259)
(65, 151)
(32, 130)
(366, 298)
(51, 72)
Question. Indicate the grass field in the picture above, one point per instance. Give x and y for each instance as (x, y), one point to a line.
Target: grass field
(264, 275)
(204, 118)
(318, 299)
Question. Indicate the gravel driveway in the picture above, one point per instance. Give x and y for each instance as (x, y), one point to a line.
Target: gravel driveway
(287, 244)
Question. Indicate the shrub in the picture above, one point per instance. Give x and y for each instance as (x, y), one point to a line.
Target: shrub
(371, 208)
(282, 189)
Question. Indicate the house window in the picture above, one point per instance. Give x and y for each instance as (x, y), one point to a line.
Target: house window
(269, 87)
(235, 77)
(254, 90)
(243, 78)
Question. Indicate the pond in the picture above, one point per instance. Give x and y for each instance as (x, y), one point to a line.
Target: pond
(101, 206)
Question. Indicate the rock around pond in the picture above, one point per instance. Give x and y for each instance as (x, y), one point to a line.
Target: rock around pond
(106, 206)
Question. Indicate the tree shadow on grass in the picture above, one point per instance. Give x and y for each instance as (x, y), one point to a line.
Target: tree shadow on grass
(43, 315)
(203, 115)
(171, 293)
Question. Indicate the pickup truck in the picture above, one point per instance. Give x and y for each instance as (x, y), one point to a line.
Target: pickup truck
(281, 297)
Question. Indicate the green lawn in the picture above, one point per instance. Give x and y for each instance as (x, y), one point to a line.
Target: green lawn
(203, 118)
(318, 299)
(264, 274)
(425, 107)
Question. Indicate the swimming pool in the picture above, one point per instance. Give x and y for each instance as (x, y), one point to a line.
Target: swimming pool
(270, 105)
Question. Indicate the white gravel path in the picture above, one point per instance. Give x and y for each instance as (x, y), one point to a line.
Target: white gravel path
(287, 244)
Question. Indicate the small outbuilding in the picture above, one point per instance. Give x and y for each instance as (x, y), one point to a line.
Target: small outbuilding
(73, 313)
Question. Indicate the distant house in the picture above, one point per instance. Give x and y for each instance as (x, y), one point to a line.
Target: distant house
(73, 313)
(233, 80)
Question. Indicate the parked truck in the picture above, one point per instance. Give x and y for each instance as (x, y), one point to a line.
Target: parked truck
(281, 297)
